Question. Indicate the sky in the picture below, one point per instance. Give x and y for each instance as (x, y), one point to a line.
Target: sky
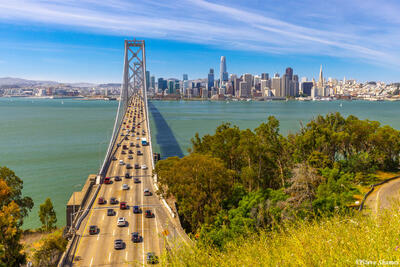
(82, 40)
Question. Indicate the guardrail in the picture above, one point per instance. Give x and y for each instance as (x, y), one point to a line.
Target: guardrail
(372, 190)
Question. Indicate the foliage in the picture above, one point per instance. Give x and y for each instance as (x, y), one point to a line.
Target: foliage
(200, 183)
(47, 215)
(15, 185)
(341, 240)
(50, 249)
(261, 179)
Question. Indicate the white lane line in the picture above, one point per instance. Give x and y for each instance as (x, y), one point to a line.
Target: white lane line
(128, 231)
(98, 236)
(141, 190)
(103, 218)
(91, 261)
(126, 256)
(114, 232)
(129, 212)
(109, 257)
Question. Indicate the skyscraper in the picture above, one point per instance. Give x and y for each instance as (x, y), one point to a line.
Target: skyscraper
(223, 73)
(264, 76)
(185, 77)
(210, 82)
(289, 73)
(321, 78)
(153, 82)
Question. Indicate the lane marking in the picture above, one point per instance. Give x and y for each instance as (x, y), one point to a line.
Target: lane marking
(109, 257)
(113, 232)
(91, 261)
(98, 236)
(126, 256)
(103, 217)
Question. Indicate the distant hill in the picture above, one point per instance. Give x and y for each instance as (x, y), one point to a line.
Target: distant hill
(6, 82)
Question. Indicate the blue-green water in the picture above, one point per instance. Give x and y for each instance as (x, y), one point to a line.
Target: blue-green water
(54, 144)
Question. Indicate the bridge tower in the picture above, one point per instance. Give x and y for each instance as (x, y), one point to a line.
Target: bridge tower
(134, 83)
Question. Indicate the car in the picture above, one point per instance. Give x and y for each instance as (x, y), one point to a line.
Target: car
(107, 180)
(122, 134)
(136, 238)
(127, 175)
(125, 187)
(144, 167)
(130, 157)
(113, 200)
(119, 244)
(137, 138)
(123, 205)
(123, 152)
(93, 230)
(139, 153)
(137, 181)
(118, 145)
(131, 144)
(147, 192)
(121, 222)
(121, 162)
(151, 258)
(101, 201)
(137, 145)
(126, 138)
(136, 209)
(132, 134)
(137, 133)
(110, 212)
(117, 178)
(130, 151)
(137, 166)
(149, 214)
(114, 158)
(128, 166)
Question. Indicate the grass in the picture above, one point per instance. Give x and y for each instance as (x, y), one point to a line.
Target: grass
(335, 241)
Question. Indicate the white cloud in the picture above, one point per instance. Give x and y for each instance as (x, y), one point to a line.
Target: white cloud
(335, 28)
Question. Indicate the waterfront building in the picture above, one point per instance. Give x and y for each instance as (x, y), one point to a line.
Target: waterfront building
(153, 82)
(306, 88)
(276, 85)
(147, 80)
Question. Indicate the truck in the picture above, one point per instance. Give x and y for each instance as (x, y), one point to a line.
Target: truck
(144, 142)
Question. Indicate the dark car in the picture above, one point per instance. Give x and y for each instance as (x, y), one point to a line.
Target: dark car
(136, 209)
(113, 200)
(107, 180)
(118, 145)
(151, 258)
(123, 152)
(93, 229)
(123, 205)
(149, 214)
(136, 238)
(130, 151)
(137, 181)
(118, 244)
(117, 178)
(137, 166)
(130, 157)
(132, 144)
(128, 166)
(137, 145)
(127, 175)
(114, 158)
(139, 153)
(101, 200)
(110, 212)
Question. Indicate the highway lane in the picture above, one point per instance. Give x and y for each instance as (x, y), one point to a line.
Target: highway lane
(98, 250)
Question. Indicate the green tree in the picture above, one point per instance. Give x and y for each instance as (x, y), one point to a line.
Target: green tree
(200, 184)
(47, 215)
(50, 250)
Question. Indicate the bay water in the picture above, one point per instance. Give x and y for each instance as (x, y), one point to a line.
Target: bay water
(54, 144)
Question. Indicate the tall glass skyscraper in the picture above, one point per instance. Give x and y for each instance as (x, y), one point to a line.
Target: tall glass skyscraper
(210, 79)
(222, 70)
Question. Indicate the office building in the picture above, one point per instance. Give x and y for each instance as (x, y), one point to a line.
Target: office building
(185, 77)
(264, 76)
(223, 72)
(147, 80)
(153, 82)
(162, 84)
(210, 80)
(306, 88)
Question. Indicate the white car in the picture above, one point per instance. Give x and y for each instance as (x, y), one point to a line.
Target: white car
(132, 134)
(144, 167)
(137, 138)
(125, 187)
(121, 222)
(121, 162)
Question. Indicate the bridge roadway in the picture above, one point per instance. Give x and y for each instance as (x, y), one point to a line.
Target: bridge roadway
(98, 249)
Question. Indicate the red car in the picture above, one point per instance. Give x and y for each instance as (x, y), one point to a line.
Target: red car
(101, 200)
(122, 205)
(107, 180)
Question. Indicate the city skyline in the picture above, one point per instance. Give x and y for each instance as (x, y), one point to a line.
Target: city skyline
(79, 41)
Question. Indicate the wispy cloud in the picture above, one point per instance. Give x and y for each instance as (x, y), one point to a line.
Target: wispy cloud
(337, 28)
